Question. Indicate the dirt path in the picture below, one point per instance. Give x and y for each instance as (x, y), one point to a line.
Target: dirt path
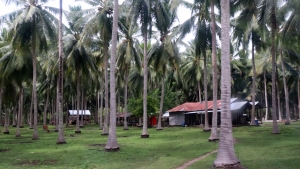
(185, 165)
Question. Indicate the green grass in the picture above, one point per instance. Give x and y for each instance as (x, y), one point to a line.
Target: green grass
(256, 148)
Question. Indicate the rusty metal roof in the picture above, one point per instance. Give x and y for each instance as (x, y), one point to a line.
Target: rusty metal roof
(194, 106)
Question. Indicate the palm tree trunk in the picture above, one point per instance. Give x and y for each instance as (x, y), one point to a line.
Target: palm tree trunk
(97, 109)
(101, 112)
(21, 106)
(30, 111)
(57, 104)
(35, 129)
(61, 137)
(278, 104)
(273, 53)
(214, 132)
(19, 113)
(106, 115)
(82, 108)
(199, 91)
(206, 125)
(78, 101)
(298, 99)
(253, 86)
(6, 121)
(226, 157)
(125, 101)
(118, 109)
(45, 108)
(161, 103)
(112, 144)
(145, 116)
(1, 96)
(266, 96)
(286, 93)
(14, 119)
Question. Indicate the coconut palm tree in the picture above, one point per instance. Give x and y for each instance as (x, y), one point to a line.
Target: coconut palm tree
(246, 30)
(142, 9)
(112, 144)
(100, 21)
(31, 30)
(267, 16)
(128, 55)
(164, 53)
(61, 137)
(192, 68)
(214, 133)
(78, 54)
(226, 156)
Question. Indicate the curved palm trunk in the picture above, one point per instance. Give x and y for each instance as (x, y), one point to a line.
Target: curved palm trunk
(112, 144)
(286, 93)
(106, 114)
(145, 117)
(273, 53)
(266, 96)
(35, 129)
(45, 108)
(214, 132)
(206, 125)
(253, 87)
(78, 101)
(226, 157)
(125, 101)
(61, 137)
(161, 103)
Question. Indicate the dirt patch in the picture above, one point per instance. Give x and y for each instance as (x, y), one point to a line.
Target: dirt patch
(49, 162)
(3, 150)
(98, 145)
(37, 162)
(23, 142)
(30, 163)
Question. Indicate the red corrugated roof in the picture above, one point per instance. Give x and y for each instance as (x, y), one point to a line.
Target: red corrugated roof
(194, 106)
(188, 106)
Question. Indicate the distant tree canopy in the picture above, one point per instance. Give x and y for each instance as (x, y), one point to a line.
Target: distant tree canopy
(135, 106)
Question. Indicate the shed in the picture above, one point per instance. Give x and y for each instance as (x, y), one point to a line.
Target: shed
(73, 116)
(176, 115)
(81, 112)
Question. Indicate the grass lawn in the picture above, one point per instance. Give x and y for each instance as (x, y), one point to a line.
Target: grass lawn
(256, 147)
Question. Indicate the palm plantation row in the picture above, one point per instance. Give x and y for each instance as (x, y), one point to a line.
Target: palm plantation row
(29, 55)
